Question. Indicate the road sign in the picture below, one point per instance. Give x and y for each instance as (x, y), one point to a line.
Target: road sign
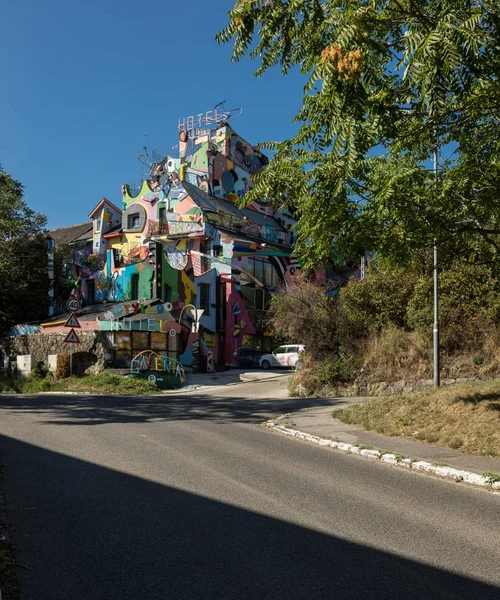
(210, 361)
(72, 321)
(72, 338)
(73, 304)
(196, 313)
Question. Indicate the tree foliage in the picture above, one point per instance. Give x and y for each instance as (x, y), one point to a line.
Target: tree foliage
(23, 258)
(388, 82)
(302, 313)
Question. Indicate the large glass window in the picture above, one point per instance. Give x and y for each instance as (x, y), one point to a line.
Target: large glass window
(205, 297)
(140, 340)
(256, 298)
(128, 344)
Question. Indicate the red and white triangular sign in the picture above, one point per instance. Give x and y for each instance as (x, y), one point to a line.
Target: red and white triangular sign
(72, 321)
(72, 338)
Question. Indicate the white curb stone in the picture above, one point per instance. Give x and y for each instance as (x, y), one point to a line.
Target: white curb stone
(389, 458)
(370, 453)
(421, 465)
(343, 447)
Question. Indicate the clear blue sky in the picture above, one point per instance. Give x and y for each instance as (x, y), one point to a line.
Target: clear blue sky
(82, 83)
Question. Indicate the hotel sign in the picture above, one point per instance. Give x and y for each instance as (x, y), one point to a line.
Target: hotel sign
(209, 118)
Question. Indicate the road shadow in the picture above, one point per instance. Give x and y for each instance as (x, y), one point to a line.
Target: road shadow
(88, 532)
(493, 399)
(98, 410)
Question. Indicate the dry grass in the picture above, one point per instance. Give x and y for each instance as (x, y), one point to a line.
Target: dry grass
(465, 416)
(394, 354)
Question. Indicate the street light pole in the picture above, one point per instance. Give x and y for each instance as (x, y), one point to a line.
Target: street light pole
(195, 313)
(437, 369)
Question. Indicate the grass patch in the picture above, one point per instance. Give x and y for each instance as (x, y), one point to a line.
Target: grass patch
(464, 416)
(107, 383)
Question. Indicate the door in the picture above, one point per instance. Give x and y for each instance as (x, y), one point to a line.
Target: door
(280, 356)
(292, 356)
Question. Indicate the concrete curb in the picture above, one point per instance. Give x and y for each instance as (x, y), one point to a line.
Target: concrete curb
(391, 459)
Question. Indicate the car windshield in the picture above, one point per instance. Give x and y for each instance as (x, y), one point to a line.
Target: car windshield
(280, 350)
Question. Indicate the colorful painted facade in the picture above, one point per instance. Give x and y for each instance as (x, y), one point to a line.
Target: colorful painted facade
(182, 240)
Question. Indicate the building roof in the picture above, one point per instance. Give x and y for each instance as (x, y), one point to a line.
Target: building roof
(114, 231)
(238, 236)
(97, 311)
(211, 203)
(85, 237)
(101, 204)
(261, 219)
(66, 235)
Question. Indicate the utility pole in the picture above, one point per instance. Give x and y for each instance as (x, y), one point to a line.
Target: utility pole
(437, 367)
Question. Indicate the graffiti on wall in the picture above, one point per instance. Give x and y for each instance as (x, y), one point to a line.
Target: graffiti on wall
(173, 245)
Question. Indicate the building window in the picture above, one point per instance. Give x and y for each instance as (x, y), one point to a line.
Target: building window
(134, 221)
(255, 298)
(205, 297)
(134, 287)
(217, 250)
(162, 213)
(97, 225)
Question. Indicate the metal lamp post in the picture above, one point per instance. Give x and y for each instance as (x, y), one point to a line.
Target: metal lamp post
(435, 331)
(196, 313)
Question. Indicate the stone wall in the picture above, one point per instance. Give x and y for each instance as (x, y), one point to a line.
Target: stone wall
(89, 356)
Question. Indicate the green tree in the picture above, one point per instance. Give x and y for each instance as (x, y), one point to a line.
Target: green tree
(23, 258)
(388, 81)
(303, 313)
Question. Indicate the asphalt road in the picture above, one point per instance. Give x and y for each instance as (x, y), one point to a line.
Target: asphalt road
(187, 497)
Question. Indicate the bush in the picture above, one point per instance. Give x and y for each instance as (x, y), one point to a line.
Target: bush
(304, 313)
(333, 371)
(375, 303)
(39, 370)
(337, 369)
(469, 306)
(62, 369)
(394, 354)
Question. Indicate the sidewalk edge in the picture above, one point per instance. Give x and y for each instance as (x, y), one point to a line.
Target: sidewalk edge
(389, 458)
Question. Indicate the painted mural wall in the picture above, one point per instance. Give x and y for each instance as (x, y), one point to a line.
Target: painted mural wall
(182, 239)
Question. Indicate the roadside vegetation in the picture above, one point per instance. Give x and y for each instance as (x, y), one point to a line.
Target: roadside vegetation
(379, 329)
(105, 383)
(464, 416)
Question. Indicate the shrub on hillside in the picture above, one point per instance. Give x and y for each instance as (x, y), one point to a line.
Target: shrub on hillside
(395, 354)
(374, 303)
(469, 306)
(303, 313)
(334, 370)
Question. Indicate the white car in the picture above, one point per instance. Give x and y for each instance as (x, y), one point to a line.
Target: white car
(284, 356)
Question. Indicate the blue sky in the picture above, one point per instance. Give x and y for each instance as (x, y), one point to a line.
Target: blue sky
(83, 83)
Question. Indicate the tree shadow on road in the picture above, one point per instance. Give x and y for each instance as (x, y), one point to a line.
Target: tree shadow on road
(85, 531)
(97, 410)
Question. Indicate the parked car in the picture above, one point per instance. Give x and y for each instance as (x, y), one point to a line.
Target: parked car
(249, 358)
(284, 356)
